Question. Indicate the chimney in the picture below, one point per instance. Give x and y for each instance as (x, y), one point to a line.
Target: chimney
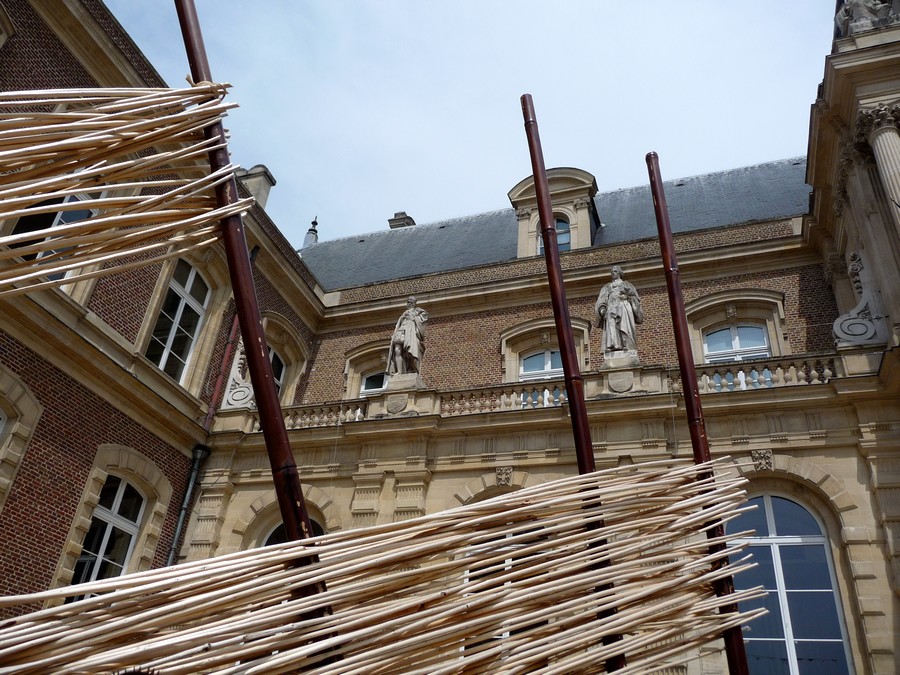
(400, 219)
(258, 182)
(312, 235)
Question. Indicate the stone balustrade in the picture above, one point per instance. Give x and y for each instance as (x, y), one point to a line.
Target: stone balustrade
(761, 374)
(804, 369)
(514, 396)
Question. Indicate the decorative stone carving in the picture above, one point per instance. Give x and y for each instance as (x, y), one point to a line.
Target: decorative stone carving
(870, 120)
(857, 16)
(618, 311)
(239, 393)
(865, 323)
(408, 341)
(762, 459)
(834, 266)
(523, 213)
(504, 476)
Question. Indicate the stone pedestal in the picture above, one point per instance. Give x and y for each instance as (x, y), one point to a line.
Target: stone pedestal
(404, 382)
(622, 359)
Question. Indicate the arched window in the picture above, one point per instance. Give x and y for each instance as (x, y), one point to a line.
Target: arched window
(277, 369)
(735, 342)
(110, 539)
(563, 236)
(803, 631)
(73, 208)
(542, 364)
(279, 535)
(179, 320)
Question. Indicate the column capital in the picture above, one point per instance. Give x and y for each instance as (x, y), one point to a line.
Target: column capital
(870, 121)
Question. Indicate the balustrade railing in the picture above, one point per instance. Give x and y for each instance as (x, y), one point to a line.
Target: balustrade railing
(514, 396)
(761, 374)
(712, 378)
(326, 415)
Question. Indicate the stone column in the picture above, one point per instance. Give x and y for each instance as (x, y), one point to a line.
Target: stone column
(878, 127)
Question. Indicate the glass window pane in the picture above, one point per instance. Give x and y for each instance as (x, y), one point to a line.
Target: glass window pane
(791, 519)
(109, 569)
(761, 575)
(805, 567)
(182, 272)
(130, 506)
(84, 567)
(181, 345)
(174, 367)
(719, 340)
(821, 658)
(94, 538)
(108, 493)
(754, 520)
(117, 546)
(813, 615)
(199, 290)
(768, 626)
(189, 321)
(373, 381)
(767, 657)
(533, 363)
(562, 225)
(555, 359)
(751, 336)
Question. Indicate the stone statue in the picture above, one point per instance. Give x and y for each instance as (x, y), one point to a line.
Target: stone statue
(860, 15)
(408, 341)
(618, 310)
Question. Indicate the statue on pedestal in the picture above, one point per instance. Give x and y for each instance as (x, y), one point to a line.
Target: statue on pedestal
(408, 341)
(856, 16)
(618, 311)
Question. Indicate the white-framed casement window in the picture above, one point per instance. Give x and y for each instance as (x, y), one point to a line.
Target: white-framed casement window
(365, 368)
(804, 631)
(179, 321)
(530, 350)
(735, 342)
(278, 369)
(563, 236)
(541, 365)
(73, 208)
(372, 383)
(110, 540)
(737, 325)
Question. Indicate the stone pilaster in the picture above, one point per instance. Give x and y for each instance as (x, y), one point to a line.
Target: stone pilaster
(878, 127)
(212, 504)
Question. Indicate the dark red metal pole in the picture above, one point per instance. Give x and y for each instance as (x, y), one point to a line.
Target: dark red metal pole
(584, 450)
(284, 469)
(734, 641)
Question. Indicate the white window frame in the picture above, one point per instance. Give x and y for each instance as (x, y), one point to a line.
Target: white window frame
(775, 543)
(113, 520)
(364, 391)
(736, 353)
(547, 373)
(184, 299)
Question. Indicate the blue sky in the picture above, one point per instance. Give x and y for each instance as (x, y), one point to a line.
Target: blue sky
(361, 108)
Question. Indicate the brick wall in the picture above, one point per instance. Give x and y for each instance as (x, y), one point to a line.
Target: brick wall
(53, 472)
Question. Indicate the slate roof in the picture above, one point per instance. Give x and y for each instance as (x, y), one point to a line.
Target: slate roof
(760, 193)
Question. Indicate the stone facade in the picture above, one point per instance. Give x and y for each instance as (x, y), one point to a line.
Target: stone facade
(816, 420)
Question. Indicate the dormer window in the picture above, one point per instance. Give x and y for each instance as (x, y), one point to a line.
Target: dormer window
(563, 236)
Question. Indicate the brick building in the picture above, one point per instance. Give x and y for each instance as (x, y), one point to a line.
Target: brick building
(790, 275)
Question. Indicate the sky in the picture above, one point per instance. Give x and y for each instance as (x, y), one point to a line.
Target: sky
(363, 108)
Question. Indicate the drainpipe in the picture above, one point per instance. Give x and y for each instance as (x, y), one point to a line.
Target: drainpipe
(201, 452)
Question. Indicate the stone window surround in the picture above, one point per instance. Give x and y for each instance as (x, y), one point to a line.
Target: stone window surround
(363, 360)
(536, 335)
(22, 411)
(738, 306)
(262, 516)
(288, 344)
(213, 268)
(143, 474)
(7, 30)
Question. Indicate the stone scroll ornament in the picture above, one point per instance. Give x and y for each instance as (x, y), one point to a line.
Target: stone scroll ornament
(865, 323)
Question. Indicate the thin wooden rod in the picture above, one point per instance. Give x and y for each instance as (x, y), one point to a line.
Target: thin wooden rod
(735, 651)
